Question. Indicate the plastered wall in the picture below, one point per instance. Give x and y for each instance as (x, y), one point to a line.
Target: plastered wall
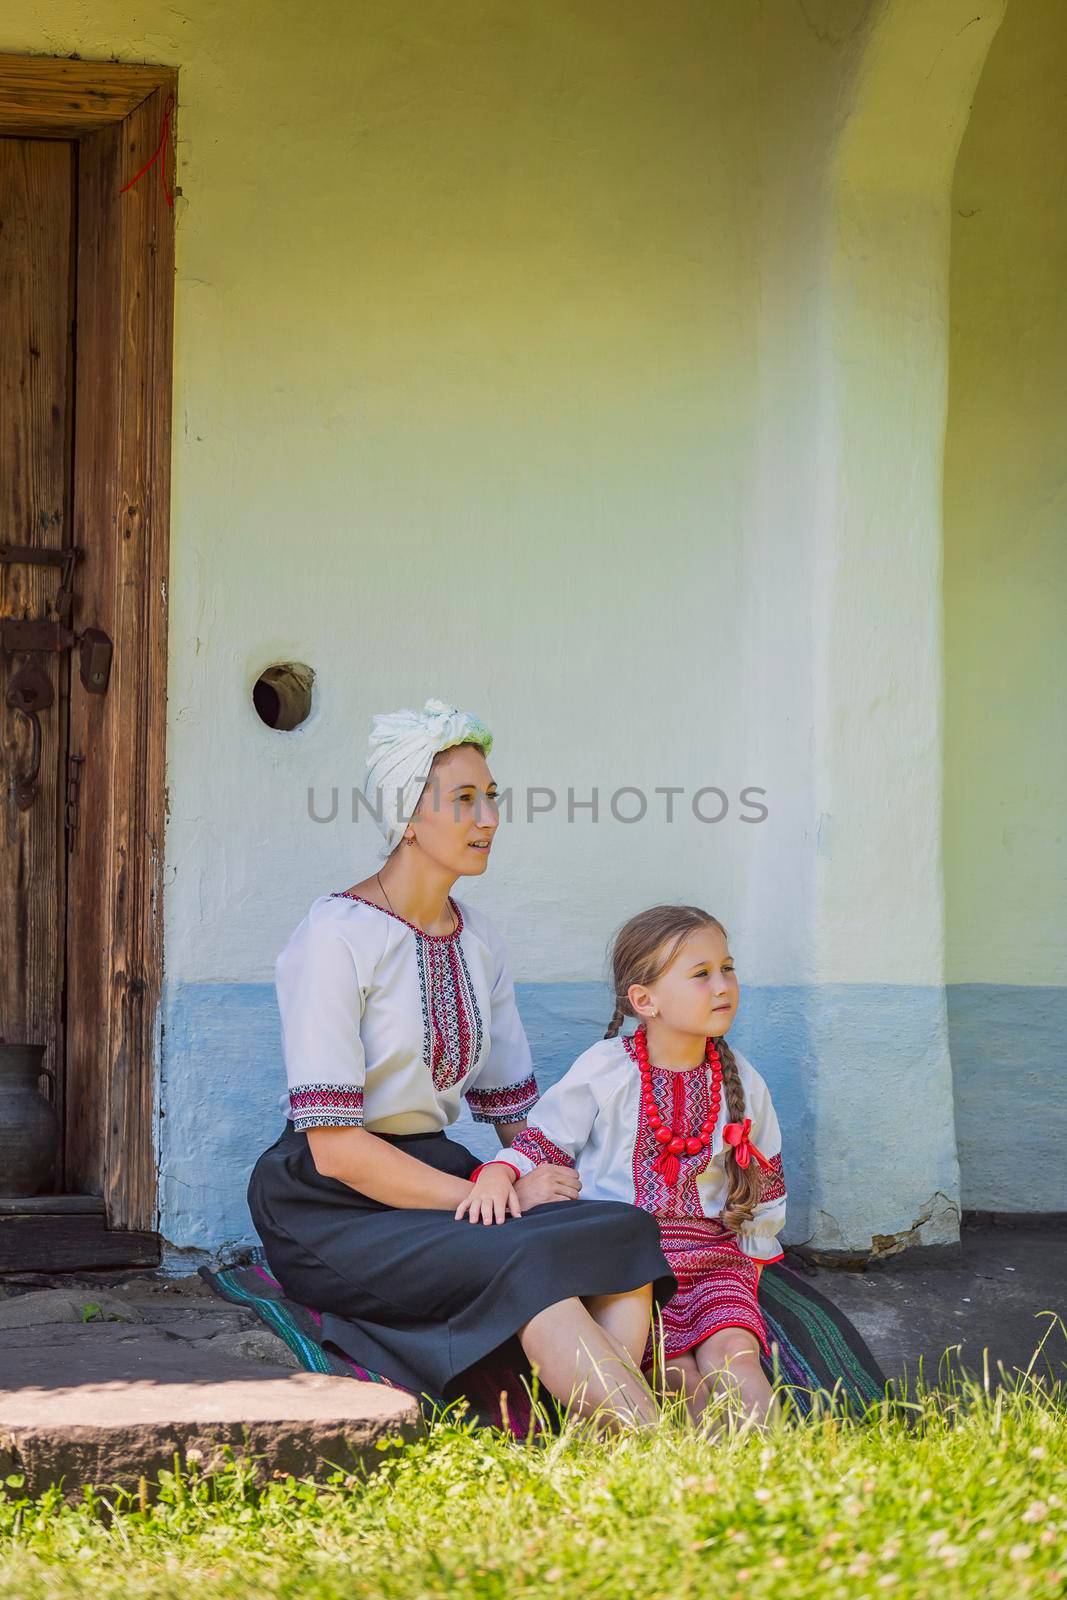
(564, 361)
(1006, 620)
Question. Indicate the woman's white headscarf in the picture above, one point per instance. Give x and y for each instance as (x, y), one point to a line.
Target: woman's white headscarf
(401, 747)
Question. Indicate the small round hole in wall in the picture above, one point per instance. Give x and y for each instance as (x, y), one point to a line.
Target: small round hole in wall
(282, 695)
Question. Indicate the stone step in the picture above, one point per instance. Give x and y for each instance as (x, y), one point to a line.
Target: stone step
(108, 1403)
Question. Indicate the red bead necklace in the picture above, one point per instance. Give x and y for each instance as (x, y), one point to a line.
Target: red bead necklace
(673, 1142)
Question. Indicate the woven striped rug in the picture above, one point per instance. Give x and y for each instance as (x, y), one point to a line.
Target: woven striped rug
(817, 1353)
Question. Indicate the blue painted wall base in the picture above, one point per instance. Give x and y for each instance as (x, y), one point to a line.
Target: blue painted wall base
(1009, 1044)
(837, 1058)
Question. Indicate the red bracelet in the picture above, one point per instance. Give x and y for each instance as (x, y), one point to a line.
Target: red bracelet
(495, 1163)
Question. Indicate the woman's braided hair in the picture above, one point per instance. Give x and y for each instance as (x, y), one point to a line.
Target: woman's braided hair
(642, 951)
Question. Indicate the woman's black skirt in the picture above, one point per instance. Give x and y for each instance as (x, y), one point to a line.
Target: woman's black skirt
(420, 1297)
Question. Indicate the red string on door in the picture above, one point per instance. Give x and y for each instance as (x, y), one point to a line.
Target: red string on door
(159, 154)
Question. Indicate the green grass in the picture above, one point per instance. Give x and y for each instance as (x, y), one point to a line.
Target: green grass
(962, 1496)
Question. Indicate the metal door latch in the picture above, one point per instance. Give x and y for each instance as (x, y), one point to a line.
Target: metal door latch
(44, 636)
(30, 690)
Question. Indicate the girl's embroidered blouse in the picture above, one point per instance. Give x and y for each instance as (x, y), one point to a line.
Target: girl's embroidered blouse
(592, 1119)
(385, 1027)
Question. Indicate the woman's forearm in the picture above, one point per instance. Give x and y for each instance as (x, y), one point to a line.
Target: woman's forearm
(382, 1172)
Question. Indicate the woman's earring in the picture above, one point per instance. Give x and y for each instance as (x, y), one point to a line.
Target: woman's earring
(409, 838)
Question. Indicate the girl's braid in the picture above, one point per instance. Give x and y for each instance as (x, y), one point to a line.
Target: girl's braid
(743, 1183)
(616, 1022)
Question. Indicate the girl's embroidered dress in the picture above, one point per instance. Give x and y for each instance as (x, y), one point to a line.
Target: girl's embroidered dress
(593, 1119)
(386, 1027)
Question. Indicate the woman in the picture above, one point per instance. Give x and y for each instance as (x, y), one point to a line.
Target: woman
(396, 1000)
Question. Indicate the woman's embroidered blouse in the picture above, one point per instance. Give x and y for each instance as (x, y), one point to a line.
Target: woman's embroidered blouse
(592, 1119)
(385, 1026)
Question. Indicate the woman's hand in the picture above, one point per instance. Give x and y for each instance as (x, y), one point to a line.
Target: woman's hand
(546, 1183)
(492, 1197)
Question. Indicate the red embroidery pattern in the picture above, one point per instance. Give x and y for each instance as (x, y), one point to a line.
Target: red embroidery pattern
(539, 1149)
(717, 1287)
(508, 1104)
(772, 1183)
(361, 899)
(326, 1105)
(451, 1022)
(689, 1093)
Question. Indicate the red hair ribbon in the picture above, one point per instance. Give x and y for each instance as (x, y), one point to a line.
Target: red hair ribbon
(736, 1134)
(159, 154)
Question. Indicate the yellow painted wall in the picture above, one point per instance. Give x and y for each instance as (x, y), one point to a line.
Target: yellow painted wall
(1005, 594)
(1006, 517)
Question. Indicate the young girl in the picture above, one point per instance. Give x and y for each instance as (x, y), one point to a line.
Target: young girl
(673, 1120)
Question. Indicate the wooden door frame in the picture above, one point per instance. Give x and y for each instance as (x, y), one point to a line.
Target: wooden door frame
(121, 495)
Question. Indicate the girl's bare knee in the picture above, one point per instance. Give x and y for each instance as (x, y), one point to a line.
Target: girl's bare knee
(731, 1345)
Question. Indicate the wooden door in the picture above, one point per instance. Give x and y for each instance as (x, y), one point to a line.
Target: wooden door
(37, 314)
(86, 304)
